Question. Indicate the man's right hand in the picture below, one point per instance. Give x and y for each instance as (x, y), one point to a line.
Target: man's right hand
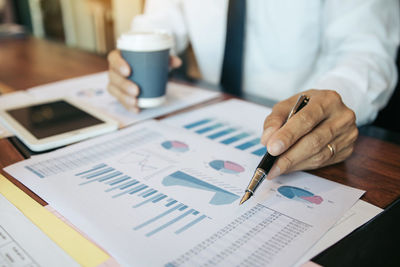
(120, 86)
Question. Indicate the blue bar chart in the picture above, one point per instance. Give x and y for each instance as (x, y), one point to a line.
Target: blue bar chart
(144, 197)
(260, 152)
(248, 144)
(222, 132)
(209, 128)
(235, 138)
(197, 123)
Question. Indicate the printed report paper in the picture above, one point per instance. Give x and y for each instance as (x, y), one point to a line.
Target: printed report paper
(238, 124)
(155, 195)
(359, 214)
(92, 90)
(70, 241)
(23, 244)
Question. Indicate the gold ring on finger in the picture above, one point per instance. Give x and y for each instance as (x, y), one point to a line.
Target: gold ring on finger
(331, 149)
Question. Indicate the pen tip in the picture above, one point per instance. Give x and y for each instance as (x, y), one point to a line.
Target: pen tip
(245, 197)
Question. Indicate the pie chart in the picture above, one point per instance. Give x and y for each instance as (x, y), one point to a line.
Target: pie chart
(90, 92)
(226, 166)
(299, 194)
(175, 146)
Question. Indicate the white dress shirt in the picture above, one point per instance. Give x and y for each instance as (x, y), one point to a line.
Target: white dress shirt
(294, 45)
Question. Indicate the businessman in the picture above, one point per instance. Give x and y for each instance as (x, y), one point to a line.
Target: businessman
(343, 50)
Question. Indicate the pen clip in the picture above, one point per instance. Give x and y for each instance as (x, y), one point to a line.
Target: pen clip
(301, 102)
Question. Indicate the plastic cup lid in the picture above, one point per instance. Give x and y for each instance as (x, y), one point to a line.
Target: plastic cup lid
(144, 41)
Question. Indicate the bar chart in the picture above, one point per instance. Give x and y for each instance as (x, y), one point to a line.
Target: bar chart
(223, 132)
(144, 197)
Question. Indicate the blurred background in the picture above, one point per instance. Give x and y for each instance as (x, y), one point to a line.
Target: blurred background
(92, 25)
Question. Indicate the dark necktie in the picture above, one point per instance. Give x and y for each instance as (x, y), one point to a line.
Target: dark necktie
(231, 76)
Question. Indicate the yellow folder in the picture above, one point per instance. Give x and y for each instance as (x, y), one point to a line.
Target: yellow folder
(79, 248)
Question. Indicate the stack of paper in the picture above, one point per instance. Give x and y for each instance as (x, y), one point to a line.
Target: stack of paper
(92, 90)
(156, 194)
(227, 123)
(151, 185)
(33, 240)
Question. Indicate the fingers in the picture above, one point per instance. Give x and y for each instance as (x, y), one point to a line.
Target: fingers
(301, 142)
(320, 107)
(299, 125)
(119, 86)
(130, 103)
(324, 159)
(118, 64)
(307, 147)
(128, 87)
(318, 138)
(296, 159)
(124, 90)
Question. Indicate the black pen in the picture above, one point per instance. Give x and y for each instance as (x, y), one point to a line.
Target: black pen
(268, 160)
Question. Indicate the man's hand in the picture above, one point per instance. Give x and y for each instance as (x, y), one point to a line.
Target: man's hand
(303, 142)
(120, 87)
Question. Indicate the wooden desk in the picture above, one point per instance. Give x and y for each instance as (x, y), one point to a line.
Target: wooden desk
(30, 62)
(374, 166)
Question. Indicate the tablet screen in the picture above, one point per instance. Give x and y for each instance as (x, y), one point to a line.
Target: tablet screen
(48, 119)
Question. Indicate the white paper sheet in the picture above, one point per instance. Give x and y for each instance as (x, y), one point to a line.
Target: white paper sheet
(92, 90)
(23, 244)
(153, 194)
(359, 214)
(245, 117)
